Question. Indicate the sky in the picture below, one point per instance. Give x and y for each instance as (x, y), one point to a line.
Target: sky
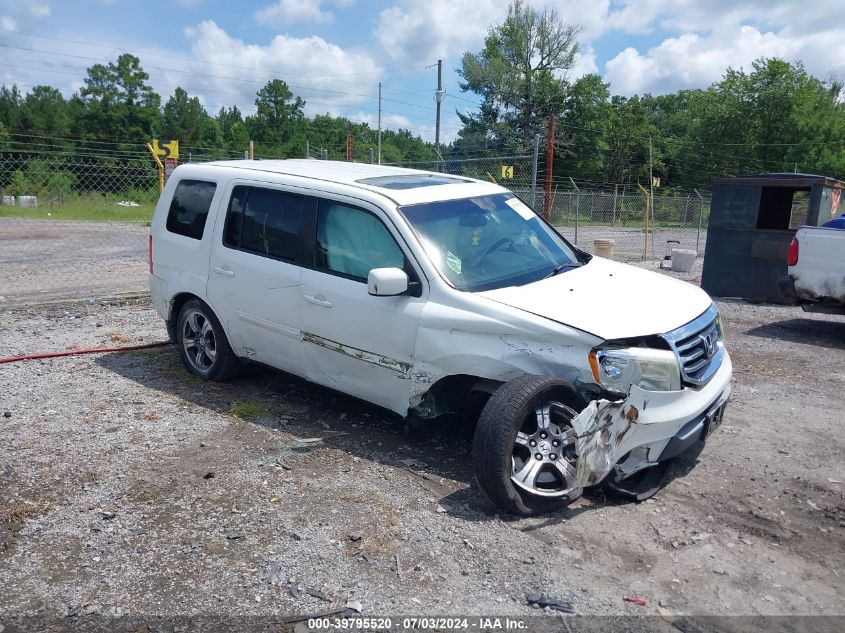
(333, 53)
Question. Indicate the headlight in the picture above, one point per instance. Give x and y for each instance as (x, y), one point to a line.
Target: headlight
(649, 369)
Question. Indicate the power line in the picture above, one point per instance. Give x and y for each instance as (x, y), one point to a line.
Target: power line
(185, 58)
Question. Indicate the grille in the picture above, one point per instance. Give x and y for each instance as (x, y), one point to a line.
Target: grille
(698, 346)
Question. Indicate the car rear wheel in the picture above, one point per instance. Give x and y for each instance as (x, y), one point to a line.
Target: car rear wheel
(524, 445)
(202, 344)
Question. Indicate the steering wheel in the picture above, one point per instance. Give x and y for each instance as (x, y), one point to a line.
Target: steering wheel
(498, 244)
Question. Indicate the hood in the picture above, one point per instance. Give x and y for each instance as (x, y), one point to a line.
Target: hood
(609, 299)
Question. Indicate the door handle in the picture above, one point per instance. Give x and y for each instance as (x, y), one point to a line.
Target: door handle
(220, 270)
(319, 300)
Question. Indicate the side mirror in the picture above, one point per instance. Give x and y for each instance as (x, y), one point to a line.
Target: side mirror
(387, 282)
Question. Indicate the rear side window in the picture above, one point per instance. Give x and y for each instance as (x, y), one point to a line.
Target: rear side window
(189, 208)
(264, 221)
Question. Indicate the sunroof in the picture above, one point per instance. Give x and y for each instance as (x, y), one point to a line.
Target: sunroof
(411, 181)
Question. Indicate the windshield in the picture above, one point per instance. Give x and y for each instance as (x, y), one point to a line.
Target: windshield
(489, 242)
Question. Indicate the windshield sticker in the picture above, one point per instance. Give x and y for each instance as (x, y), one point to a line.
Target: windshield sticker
(521, 208)
(453, 262)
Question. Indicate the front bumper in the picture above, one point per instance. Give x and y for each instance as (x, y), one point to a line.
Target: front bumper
(646, 427)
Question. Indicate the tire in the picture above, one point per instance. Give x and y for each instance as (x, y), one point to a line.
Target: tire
(202, 343)
(499, 458)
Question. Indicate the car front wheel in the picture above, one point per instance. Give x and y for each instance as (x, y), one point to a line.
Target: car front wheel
(524, 446)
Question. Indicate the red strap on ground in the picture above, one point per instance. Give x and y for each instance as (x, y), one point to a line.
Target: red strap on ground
(76, 352)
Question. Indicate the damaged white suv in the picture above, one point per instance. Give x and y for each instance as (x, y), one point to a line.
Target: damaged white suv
(427, 293)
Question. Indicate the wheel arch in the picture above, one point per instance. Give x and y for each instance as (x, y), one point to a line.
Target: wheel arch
(176, 303)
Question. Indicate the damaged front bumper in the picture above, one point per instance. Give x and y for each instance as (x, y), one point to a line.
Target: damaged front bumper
(647, 427)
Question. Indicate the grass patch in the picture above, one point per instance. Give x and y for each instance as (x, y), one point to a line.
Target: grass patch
(117, 337)
(83, 210)
(249, 410)
(17, 512)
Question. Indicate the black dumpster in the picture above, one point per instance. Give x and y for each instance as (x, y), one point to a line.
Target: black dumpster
(752, 222)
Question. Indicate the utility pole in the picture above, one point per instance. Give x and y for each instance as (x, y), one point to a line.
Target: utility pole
(307, 149)
(438, 97)
(534, 171)
(349, 148)
(550, 158)
(251, 151)
(650, 183)
(379, 123)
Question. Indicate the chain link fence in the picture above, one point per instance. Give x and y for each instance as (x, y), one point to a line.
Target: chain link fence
(599, 213)
(73, 223)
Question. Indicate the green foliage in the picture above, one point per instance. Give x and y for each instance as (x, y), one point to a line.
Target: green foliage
(184, 118)
(19, 185)
(518, 73)
(118, 103)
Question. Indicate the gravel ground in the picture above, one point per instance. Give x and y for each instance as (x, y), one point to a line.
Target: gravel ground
(129, 487)
(48, 260)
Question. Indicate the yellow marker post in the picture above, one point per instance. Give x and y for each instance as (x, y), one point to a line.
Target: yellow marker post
(507, 171)
(153, 147)
(647, 208)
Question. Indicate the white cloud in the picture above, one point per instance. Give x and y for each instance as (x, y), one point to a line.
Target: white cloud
(702, 16)
(392, 121)
(585, 64)
(39, 11)
(283, 12)
(8, 23)
(414, 32)
(691, 60)
(317, 70)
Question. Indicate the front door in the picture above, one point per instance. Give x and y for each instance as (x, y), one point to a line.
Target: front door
(352, 341)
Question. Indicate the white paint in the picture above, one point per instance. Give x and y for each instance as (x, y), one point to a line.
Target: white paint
(820, 272)
(610, 300)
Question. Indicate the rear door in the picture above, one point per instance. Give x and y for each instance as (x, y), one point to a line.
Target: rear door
(352, 341)
(255, 272)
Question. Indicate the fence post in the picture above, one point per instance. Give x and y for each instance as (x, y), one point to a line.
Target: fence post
(371, 155)
(613, 211)
(700, 217)
(534, 170)
(577, 206)
(647, 207)
(686, 208)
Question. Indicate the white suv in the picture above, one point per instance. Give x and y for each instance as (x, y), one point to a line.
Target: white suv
(427, 293)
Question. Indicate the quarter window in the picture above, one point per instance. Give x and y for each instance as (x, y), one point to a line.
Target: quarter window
(351, 242)
(189, 208)
(264, 221)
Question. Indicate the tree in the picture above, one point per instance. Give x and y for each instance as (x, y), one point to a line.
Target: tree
(44, 111)
(118, 103)
(581, 134)
(11, 103)
(277, 113)
(632, 143)
(184, 118)
(520, 73)
(233, 128)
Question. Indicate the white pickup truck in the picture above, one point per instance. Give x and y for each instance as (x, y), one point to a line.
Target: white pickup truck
(815, 277)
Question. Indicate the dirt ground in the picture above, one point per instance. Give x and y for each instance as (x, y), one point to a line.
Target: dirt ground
(129, 487)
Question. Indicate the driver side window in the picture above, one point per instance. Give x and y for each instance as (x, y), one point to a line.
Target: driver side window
(351, 242)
